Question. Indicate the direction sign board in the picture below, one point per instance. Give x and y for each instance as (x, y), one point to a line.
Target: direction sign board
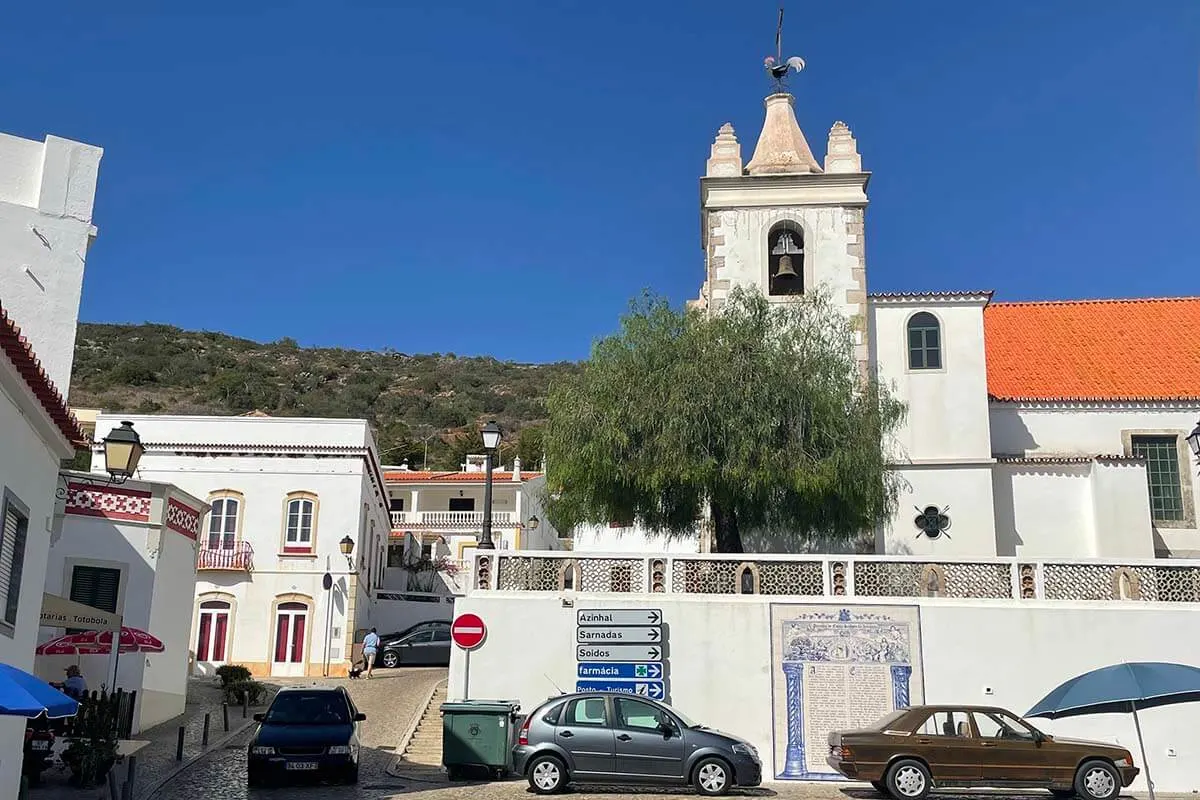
(652, 689)
(618, 652)
(468, 631)
(619, 670)
(618, 616)
(612, 635)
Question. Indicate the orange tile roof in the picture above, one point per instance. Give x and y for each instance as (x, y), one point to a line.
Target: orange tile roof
(1094, 350)
(414, 476)
(18, 350)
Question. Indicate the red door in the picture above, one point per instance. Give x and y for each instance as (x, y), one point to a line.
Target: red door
(290, 625)
(213, 639)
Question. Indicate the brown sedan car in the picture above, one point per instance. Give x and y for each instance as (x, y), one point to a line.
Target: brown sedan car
(913, 750)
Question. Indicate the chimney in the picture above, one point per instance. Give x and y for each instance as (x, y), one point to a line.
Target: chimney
(516, 476)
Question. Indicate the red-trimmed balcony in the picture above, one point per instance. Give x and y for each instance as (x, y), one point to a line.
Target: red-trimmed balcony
(239, 558)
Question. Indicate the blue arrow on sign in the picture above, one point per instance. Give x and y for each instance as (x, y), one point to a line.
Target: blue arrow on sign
(652, 689)
(622, 670)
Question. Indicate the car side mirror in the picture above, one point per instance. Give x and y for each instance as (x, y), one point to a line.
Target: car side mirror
(666, 729)
(360, 717)
(259, 717)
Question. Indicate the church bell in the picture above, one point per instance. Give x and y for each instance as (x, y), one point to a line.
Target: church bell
(786, 272)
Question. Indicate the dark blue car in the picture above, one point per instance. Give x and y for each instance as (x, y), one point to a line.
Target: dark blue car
(307, 732)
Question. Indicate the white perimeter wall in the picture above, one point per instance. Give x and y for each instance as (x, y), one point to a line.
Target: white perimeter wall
(720, 661)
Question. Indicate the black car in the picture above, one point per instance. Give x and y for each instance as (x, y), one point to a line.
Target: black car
(426, 645)
(307, 731)
(385, 638)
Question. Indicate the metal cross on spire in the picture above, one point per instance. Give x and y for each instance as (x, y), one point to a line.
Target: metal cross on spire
(775, 65)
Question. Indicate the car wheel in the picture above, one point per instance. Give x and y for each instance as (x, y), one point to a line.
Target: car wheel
(253, 779)
(908, 779)
(880, 787)
(547, 775)
(1097, 780)
(351, 777)
(712, 777)
(391, 659)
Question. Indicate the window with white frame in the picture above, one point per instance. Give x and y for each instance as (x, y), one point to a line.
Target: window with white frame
(223, 522)
(300, 523)
(13, 531)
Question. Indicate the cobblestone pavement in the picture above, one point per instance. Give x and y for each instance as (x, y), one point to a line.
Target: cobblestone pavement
(391, 700)
(157, 759)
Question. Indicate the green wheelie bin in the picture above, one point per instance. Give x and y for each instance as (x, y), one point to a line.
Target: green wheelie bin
(479, 734)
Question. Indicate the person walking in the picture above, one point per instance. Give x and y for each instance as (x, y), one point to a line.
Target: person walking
(370, 648)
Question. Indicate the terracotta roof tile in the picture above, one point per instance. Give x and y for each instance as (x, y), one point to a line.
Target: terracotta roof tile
(414, 476)
(1094, 350)
(21, 354)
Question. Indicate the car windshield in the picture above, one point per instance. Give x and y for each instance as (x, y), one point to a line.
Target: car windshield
(308, 708)
(687, 723)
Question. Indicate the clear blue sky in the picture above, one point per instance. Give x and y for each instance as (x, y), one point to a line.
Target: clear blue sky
(500, 178)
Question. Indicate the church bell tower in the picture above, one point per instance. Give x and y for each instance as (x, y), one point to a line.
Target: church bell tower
(783, 223)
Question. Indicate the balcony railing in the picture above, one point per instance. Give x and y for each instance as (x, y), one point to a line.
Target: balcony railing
(447, 519)
(1013, 579)
(239, 558)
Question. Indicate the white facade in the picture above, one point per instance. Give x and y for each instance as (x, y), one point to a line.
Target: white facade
(1048, 460)
(140, 539)
(46, 194)
(440, 515)
(284, 493)
(32, 447)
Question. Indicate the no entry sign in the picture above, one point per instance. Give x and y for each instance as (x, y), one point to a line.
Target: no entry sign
(468, 631)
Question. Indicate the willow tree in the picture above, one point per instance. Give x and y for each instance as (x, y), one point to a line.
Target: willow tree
(759, 414)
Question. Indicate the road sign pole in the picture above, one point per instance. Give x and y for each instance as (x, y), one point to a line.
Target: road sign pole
(467, 675)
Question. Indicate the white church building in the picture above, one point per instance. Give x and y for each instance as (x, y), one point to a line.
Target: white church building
(1041, 430)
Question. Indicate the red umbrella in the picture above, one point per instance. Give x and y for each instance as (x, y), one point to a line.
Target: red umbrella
(89, 643)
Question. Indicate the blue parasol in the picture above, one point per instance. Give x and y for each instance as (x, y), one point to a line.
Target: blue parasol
(25, 695)
(1120, 689)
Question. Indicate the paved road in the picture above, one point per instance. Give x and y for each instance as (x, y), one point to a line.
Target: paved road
(391, 701)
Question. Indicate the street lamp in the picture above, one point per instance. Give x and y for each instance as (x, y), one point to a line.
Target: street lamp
(1193, 441)
(346, 545)
(122, 451)
(491, 440)
(533, 523)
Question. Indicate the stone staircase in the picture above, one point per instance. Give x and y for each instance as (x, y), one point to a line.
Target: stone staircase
(425, 746)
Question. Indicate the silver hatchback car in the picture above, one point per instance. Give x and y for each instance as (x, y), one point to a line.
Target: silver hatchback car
(601, 737)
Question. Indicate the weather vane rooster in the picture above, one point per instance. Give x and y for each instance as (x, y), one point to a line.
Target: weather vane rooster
(776, 66)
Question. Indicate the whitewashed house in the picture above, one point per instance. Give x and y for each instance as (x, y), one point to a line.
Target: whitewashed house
(128, 549)
(286, 495)
(1054, 429)
(442, 514)
(36, 433)
(47, 190)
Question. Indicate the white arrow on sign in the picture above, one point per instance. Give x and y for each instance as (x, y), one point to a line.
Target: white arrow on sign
(618, 616)
(614, 635)
(618, 652)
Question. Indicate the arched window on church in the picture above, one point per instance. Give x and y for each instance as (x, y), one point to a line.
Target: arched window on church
(924, 341)
(785, 260)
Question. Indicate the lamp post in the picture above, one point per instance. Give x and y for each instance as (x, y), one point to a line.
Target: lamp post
(491, 440)
(346, 545)
(122, 451)
(1193, 441)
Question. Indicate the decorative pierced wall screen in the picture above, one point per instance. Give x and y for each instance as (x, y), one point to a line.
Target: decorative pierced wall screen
(536, 574)
(1103, 582)
(701, 576)
(910, 579)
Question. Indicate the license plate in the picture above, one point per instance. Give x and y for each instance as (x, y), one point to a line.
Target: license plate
(302, 765)
(42, 745)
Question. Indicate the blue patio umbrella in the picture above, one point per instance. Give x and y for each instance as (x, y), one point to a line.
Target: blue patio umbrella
(1120, 689)
(25, 695)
